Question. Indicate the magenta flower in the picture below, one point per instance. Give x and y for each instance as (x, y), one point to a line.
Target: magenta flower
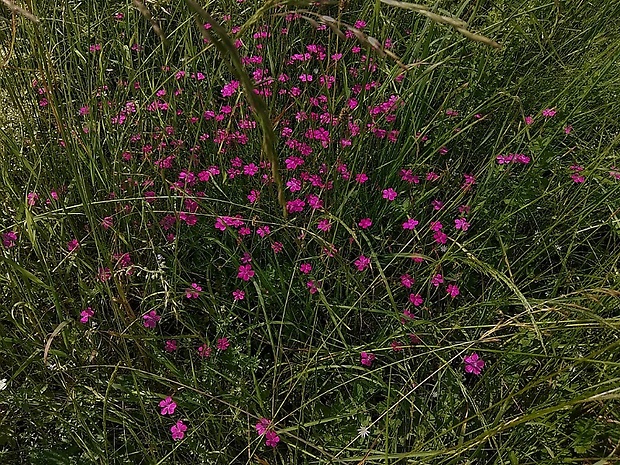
(362, 263)
(72, 245)
(473, 364)
(407, 280)
(272, 439)
(246, 272)
(171, 345)
(86, 314)
(549, 112)
(262, 426)
(204, 351)
(410, 224)
(324, 225)
(222, 344)
(253, 196)
(462, 224)
(453, 290)
(178, 430)
(416, 299)
(437, 280)
(440, 237)
(263, 231)
(361, 178)
(437, 204)
(366, 358)
(305, 268)
(107, 222)
(396, 346)
(407, 315)
(295, 206)
(365, 223)
(529, 120)
(313, 286)
(238, 294)
(151, 319)
(230, 88)
(167, 406)
(193, 291)
(578, 178)
(9, 239)
(389, 194)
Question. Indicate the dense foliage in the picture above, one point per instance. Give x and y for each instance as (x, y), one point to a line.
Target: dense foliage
(269, 232)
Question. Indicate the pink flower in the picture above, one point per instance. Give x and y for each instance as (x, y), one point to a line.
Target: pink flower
(437, 280)
(263, 231)
(529, 120)
(365, 223)
(272, 439)
(462, 224)
(167, 406)
(473, 364)
(178, 430)
(437, 204)
(222, 344)
(436, 226)
(104, 274)
(9, 239)
(171, 345)
(407, 315)
(568, 129)
(313, 286)
(305, 268)
(193, 292)
(324, 225)
(453, 290)
(396, 346)
(407, 280)
(277, 247)
(410, 224)
(366, 358)
(440, 237)
(204, 351)
(72, 245)
(578, 178)
(361, 178)
(151, 319)
(238, 294)
(86, 314)
(362, 263)
(549, 112)
(294, 206)
(107, 222)
(230, 88)
(389, 194)
(245, 272)
(262, 426)
(253, 196)
(416, 299)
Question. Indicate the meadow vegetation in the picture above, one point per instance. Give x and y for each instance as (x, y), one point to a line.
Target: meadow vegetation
(277, 232)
